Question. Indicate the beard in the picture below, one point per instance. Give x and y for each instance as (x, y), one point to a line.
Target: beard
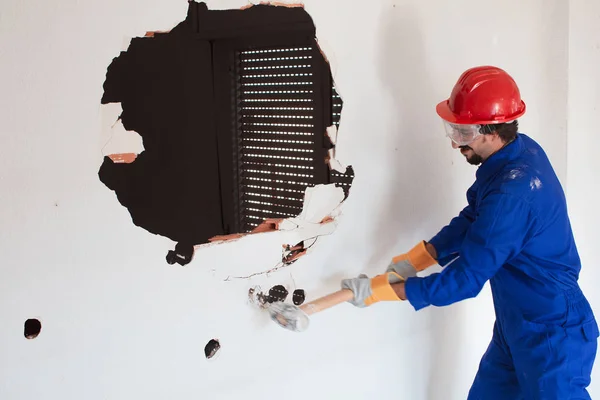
(475, 159)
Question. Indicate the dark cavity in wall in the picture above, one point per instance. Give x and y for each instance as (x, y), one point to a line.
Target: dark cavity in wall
(211, 348)
(298, 296)
(277, 293)
(292, 253)
(32, 328)
(232, 107)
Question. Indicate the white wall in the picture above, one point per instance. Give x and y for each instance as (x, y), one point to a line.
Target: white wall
(119, 323)
(583, 141)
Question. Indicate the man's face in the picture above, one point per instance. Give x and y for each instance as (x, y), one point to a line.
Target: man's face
(472, 157)
(470, 151)
(474, 145)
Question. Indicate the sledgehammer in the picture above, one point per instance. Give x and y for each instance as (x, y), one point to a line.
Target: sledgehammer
(296, 318)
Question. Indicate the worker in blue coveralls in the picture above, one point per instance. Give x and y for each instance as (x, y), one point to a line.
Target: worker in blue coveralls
(514, 232)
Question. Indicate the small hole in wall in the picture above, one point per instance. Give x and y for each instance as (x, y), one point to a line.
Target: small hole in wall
(298, 296)
(211, 348)
(32, 328)
(277, 293)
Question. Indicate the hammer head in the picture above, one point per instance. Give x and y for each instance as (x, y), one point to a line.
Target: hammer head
(288, 316)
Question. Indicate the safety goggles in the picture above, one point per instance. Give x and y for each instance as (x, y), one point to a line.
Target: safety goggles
(462, 134)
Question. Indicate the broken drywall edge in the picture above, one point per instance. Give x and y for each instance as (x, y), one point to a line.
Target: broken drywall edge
(332, 161)
(122, 146)
(151, 34)
(272, 3)
(109, 115)
(305, 238)
(321, 203)
(310, 235)
(123, 158)
(332, 132)
(326, 227)
(268, 225)
(292, 253)
(322, 52)
(125, 43)
(334, 164)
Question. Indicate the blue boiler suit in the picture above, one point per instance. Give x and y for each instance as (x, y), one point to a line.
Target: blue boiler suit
(515, 232)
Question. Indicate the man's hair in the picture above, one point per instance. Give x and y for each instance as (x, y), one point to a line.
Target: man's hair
(507, 131)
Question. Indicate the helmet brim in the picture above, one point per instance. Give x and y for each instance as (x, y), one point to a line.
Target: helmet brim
(443, 110)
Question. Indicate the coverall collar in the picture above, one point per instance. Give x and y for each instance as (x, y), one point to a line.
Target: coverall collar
(497, 160)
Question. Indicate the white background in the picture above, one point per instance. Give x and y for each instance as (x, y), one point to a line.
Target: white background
(119, 323)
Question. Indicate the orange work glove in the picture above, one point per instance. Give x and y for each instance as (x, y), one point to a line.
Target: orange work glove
(369, 291)
(408, 264)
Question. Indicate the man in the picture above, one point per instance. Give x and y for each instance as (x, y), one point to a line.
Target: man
(514, 232)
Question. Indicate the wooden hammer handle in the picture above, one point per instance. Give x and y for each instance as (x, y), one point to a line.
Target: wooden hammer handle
(325, 302)
(330, 300)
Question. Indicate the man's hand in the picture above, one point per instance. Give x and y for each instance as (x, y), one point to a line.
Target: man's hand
(387, 286)
(400, 290)
(420, 257)
(361, 287)
(369, 291)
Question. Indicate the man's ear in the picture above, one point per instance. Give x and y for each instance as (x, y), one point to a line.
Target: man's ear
(491, 137)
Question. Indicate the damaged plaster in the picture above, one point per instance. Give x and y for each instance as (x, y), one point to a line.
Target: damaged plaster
(121, 145)
(278, 293)
(176, 151)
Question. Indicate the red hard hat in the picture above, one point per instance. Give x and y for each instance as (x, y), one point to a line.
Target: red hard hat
(483, 95)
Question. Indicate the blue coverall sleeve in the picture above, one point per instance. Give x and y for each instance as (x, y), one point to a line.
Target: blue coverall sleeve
(497, 235)
(449, 239)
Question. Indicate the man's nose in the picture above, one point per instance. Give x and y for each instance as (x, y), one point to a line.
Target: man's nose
(454, 145)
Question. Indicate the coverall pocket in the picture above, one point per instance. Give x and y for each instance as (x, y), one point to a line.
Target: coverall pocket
(590, 330)
(554, 362)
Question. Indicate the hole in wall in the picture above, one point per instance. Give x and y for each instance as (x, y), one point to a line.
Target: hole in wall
(211, 348)
(182, 254)
(292, 253)
(298, 297)
(234, 110)
(32, 329)
(277, 293)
